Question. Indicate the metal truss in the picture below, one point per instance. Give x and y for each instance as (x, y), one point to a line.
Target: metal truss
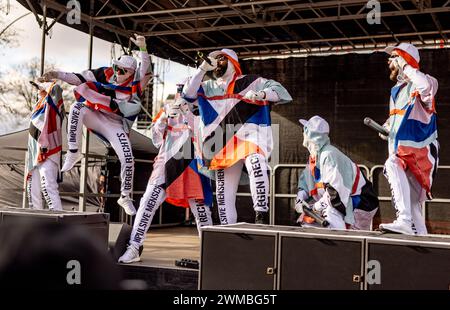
(179, 28)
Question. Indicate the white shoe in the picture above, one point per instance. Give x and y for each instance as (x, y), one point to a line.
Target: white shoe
(400, 227)
(131, 255)
(127, 204)
(70, 160)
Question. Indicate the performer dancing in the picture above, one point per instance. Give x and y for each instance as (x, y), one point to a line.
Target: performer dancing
(175, 179)
(44, 148)
(108, 103)
(332, 183)
(239, 102)
(413, 147)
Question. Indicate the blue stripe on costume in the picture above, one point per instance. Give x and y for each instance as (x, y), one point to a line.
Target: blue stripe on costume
(207, 112)
(38, 112)
(355, 201)
(261, 117)
(413, 130)
(206, 183)
(396, 90)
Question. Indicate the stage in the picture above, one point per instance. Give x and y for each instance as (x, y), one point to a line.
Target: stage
(157, 266)
(408, 262)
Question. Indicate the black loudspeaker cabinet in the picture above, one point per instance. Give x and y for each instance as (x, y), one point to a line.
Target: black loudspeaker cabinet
(234, 257)
(96, 223)
(248, 256)
(410, 262)
(320, 261)
(119, 235)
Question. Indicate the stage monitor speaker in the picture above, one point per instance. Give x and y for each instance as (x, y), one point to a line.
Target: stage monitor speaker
(119, 236)
(96, 223)
(320, 261)
(238, 257)
(410, 262)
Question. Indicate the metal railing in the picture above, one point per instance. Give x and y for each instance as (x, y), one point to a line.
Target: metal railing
(284, 195)
(370, 176)
(273, 195)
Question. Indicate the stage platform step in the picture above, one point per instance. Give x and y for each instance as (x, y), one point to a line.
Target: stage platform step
(162, 247)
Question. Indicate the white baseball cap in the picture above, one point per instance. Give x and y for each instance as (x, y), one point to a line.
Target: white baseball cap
(226, 51)
(316, 124)
(126, 62)
(406, 47)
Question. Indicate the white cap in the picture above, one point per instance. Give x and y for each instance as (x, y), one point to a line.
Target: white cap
(316, 124)
(126, 62)
(406, 47)
(226, 51)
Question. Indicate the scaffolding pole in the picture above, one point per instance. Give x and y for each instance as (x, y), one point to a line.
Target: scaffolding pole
(85, 143)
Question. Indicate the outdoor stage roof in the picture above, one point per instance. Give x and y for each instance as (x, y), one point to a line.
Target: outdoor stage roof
(177, 29)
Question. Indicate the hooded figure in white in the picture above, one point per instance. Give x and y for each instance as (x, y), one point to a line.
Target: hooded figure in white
(333, 183)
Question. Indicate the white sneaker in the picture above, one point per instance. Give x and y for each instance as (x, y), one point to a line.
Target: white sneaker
(127, 204)
(131, 255)
(70, 160)
(397, 226)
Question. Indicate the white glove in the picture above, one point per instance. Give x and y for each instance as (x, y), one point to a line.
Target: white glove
(48, 77)
(139, 41)
(174, 110)
(385, 126)
(254, 96)
(400, 63)
(209, 67)
(320, 206)
(301, 196)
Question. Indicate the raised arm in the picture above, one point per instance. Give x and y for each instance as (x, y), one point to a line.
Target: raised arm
(144, 68)
(192, 86)
(425, 84)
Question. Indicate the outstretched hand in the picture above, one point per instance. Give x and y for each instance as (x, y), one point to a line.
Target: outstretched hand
(139, 41)
(48, 77)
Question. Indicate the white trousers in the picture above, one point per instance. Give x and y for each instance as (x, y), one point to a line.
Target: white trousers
(43, 182)
(153, 197)
(227, 182)
(112, 130)
(407, 195)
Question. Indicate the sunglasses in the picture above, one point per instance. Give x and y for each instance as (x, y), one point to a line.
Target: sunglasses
(221, 58)
(392, 57)
(119, 70)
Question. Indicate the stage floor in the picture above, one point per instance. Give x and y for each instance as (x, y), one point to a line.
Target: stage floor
(165, 245)
(162, 247)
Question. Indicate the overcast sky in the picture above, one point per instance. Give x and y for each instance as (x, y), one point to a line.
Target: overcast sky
(68, 49)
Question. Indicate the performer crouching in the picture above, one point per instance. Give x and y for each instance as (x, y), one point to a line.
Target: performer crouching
(332, 183)
(175, 179)
(44, 148)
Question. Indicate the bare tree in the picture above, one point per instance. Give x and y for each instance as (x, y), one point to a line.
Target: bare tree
(8, 33)
(17, 86)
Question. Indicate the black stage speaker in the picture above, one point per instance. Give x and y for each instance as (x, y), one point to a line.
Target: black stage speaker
(410, 262)
(96, 223)
(234, 257)
(320, 260)
(119, 235)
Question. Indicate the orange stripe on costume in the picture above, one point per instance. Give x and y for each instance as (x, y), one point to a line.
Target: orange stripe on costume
(316, 188)
(409, 59)
(42, 156)
(187, 186)
(238, 72)
(417, 161)
(97, 107)
(158, 115)
(234, 150)
(397, 112)
(235, 96)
